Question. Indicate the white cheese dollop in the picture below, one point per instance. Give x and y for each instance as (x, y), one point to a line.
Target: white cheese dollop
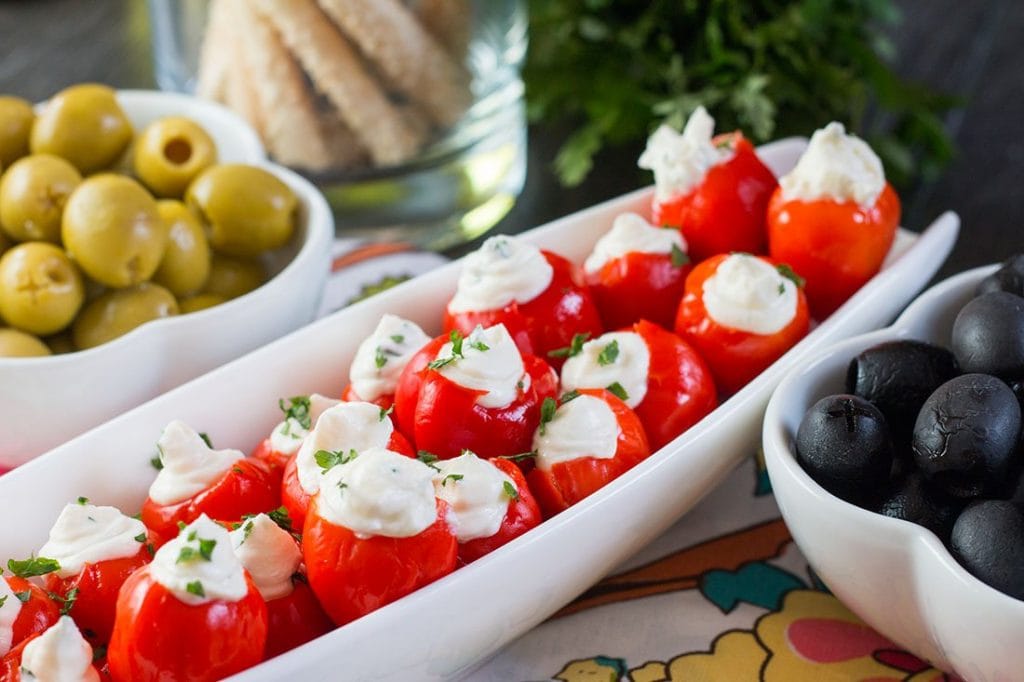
(681, 160)
(835, 166)
(490, 362)
(84, 533)
(380, 492)
(287, 436)
(475, 491)
(196, 579)
(630, 233)
(60, 654)
(190, 465)
(383, 355)
(621, 357)
(346, 426)
(750, 295)
(9, 610)
(269, 553)
(503, 270)
(583, 427)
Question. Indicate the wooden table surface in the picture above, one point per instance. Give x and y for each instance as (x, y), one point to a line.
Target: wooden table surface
(971, 49)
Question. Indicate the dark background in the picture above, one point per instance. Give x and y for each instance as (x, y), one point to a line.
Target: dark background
(970, 48)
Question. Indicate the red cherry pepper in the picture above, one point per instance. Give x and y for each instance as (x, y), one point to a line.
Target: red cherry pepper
(158, 637)
(522, 515)
(549, 321)
(384, 401)
(248, 487)
(295, 619)
(726, 210)
(38, 611)
(566, 483)
(443, 418)
(734, 356)
(353, 576)
(639, 286)
(836, 246)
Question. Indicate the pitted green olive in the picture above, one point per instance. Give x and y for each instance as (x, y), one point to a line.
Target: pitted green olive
(200, 302)
(33, 193)
(41, 290)
(117, 312)
(18, 344)
(112, 228)
(16, 118)
(232, 277)
(83, 124)
(186, 262)
(247, 210)
(170, 153)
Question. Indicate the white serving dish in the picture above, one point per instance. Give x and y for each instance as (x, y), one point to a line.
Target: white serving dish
(46, 401)
(449, 627)
(894, 574)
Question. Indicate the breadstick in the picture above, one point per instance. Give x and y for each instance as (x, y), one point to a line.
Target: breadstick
(393, 40)
(239, 92)
(342, 145)
(449, 21)
(215, 53)
(337, 72)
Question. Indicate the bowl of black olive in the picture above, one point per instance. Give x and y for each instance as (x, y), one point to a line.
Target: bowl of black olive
(897, 460)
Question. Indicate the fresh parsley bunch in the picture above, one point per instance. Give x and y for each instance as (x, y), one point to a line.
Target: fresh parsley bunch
(618, 68)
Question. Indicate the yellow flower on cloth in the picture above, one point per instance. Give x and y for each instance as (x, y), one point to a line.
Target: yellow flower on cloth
(734, 656)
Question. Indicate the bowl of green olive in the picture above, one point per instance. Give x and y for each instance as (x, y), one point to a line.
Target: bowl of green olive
(144, 240)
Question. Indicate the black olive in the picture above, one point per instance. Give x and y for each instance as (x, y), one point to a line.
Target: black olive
(1009, 278)
(988, 540)
(912, 499)
(843, 443)
(988, 336)
(965, 437)
(897, 377)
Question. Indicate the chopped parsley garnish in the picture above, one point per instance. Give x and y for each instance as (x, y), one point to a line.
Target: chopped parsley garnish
(547, 413)
(206, 439)
(608, 354)
(380, 358)
(511, 491)
(520, 385)
(479, 345)
(296, 408)
(281, 518)
(789, 274)
(618, 391)
(384, 413)
(782, 288)
(519, 457)
(328, 459)
(342, 485)
(237, 470)
(568, 395)
(678, 256)
(453, 477)
(83, 501)
(67, 601)
(23, 597)
(181, 526)
(456, 339)
(247, 531)
(427, 458)
(140, 538)
(574, 348)
(195, 587)
(157, 463)
(397, 338)
(3, 600)
(33, 566)
(151, 549)
(204, 551)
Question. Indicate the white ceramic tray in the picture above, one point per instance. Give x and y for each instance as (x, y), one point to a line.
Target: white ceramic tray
(46, 401)
(449, 627)
(895, 575)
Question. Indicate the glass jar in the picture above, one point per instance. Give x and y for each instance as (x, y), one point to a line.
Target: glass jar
(408, 114)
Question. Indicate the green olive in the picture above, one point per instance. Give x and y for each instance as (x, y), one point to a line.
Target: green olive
(16, 118)
(61, 343)
(247, 209)
(170, 152)
(117, 312)
(5, 243)
(112, 228)
(85, 125)
(41, 290)
(232, 277)
(186, 262)
(33, 193)
(18, 344)
(200, 302)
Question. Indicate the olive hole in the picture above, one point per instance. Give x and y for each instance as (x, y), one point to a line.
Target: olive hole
(56, 276)
(178, 151)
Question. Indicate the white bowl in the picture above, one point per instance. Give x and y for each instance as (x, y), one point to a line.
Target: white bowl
(452, 625)
(894, 574)
(46, 401)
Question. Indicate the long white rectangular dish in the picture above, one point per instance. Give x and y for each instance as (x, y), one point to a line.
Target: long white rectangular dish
(452, 625)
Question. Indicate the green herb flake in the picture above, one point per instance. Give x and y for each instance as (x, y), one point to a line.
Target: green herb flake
(328, 459)
(296, 408)
(384, 413)
(456, 338)
(427, 458)
(547, 413)
(195, 587)
(206, 439)
(3, 600)
(574, 348)
(380, 358)
(99, 653)
(67, 601)
(83, 501)
(33, 566)
(568, 396)
(206, 549)
(398, 338)
(618, 391)
(510, 491)
(181, 526)
(156, 463)
(678, 256)
(608, 354)
(140, 538)
(789, 274)
(519, 457)
(454, 478)
(281, 518)
(23, 597)
(479, 345)
(247, 531)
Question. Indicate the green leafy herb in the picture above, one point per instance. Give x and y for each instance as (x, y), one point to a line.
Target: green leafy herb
(380, 358)
(281, 518)
(237, 470)
(789, 274)
(67, 601)
(195, 587)
(427, 458)
(678, 256)
(328, 459)
(296, 408)
(204, 551)
(547, 413)
(140, 538)
(608, 354)
(568, 396)
(574, 348)
(156, 463)
(181, 526)
(479, 345)
(83, 501)
(519, 457)
(456, 340)
(511, 491)
(454, 478)
(33, 566)
(385, 412)
(247, 531)
(618, 391)
(151, 549)
(3, 600)
(206, 439)
(398, 338)
(23, 597)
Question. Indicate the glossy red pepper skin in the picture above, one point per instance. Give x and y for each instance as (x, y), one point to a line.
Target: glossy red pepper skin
(566, 483)
(353, 576)
(248, 487)
(638, 286)
(295, 619)
(443, 418)
(836, 246)
(37, 614)
(734, 356)
(726, 211)
(522, 515)
(384, 401)
(296, 500)
(158, 638)
(549, 321)
(98, 586)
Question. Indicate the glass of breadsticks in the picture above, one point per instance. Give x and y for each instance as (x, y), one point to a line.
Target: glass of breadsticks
(408, 113)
